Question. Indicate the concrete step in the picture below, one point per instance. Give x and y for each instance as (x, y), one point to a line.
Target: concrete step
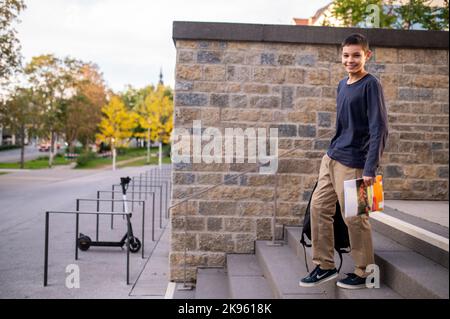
(424, 237)
(403, 270)
(246, 279)
(430, 210)
(283, 270)
(417, 221)
(413, 275)
(384, 292)
(212, 283)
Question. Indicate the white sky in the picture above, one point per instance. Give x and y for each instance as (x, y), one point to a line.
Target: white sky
(130, 40)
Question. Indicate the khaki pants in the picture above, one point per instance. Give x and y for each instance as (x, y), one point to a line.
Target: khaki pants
(330, 188)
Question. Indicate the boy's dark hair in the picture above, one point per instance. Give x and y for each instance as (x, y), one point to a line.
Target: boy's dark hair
(357, 39)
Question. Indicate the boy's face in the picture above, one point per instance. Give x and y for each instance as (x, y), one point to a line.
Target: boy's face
(354, 58)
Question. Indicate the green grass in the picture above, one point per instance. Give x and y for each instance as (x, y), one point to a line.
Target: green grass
(123, 155)
(131, 154)
(40, 162)
(3, 173)
(96, 163)
(127, 154)
(142, 162)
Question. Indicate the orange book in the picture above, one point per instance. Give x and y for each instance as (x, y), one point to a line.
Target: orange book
(378, 200)
(360, 199)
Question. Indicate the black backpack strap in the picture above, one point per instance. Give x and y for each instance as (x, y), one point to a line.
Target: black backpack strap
(340, 259)
(306, 230)
(340, 252)
(306, 262)
(304, 244)
(303, 241)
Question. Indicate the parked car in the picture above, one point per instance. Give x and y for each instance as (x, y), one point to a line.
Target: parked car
(45, 147)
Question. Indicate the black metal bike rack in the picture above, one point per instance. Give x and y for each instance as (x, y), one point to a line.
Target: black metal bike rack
(155, 178)
(142, 189)
(99, 193)
(157, 182)
(77, 214)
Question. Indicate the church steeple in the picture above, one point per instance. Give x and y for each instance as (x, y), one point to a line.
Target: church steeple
(161, 82)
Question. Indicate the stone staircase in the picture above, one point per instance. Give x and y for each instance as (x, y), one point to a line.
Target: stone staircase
(412, 255)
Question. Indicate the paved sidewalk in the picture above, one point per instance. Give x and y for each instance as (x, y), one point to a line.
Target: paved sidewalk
(154, 278)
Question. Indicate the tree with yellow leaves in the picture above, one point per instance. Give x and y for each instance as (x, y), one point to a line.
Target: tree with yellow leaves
(156, 116)
(117, 125)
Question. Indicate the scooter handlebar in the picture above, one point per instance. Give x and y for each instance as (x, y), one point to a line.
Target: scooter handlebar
(124, 181)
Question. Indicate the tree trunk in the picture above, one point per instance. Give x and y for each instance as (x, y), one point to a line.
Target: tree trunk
(71, 147)
(148, 146)
(52, 149)
(114, 157)
(160, 153)
(407, 25)
(22, 146)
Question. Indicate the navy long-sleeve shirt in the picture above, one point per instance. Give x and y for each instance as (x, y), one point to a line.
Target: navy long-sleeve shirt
(361, 125)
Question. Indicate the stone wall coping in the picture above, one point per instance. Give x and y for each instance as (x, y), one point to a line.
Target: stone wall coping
(224, 31)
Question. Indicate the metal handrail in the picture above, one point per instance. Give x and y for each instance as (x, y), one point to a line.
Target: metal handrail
(185, 200)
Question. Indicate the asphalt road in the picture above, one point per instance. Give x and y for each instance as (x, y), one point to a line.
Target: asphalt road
(13, 156)
(24, 198)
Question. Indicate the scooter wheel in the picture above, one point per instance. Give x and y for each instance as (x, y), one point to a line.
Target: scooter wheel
(135, 244)
(84, 242)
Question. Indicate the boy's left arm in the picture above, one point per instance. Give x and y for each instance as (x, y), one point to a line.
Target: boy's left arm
(378, 129)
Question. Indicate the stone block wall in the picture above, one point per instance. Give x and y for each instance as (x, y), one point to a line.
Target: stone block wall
(292, 86)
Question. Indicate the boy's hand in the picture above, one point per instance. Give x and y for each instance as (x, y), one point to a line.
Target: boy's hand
(368, 180)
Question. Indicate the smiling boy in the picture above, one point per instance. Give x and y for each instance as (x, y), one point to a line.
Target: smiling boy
(354, 152)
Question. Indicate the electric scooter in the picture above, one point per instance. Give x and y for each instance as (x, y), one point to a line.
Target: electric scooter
(84, 242)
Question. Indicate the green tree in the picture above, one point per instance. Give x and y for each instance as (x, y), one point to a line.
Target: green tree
(117, 125)
(420, 12)
(53, 80)
(17, 114)
(133, 98)
(442, 15)
(356, 12)
(82, 112)
(156, 117)
(10, 57)
(44, 74)
(413, 13)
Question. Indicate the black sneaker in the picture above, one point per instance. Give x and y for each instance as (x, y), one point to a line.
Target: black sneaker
(352, 281)
(318, 276)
